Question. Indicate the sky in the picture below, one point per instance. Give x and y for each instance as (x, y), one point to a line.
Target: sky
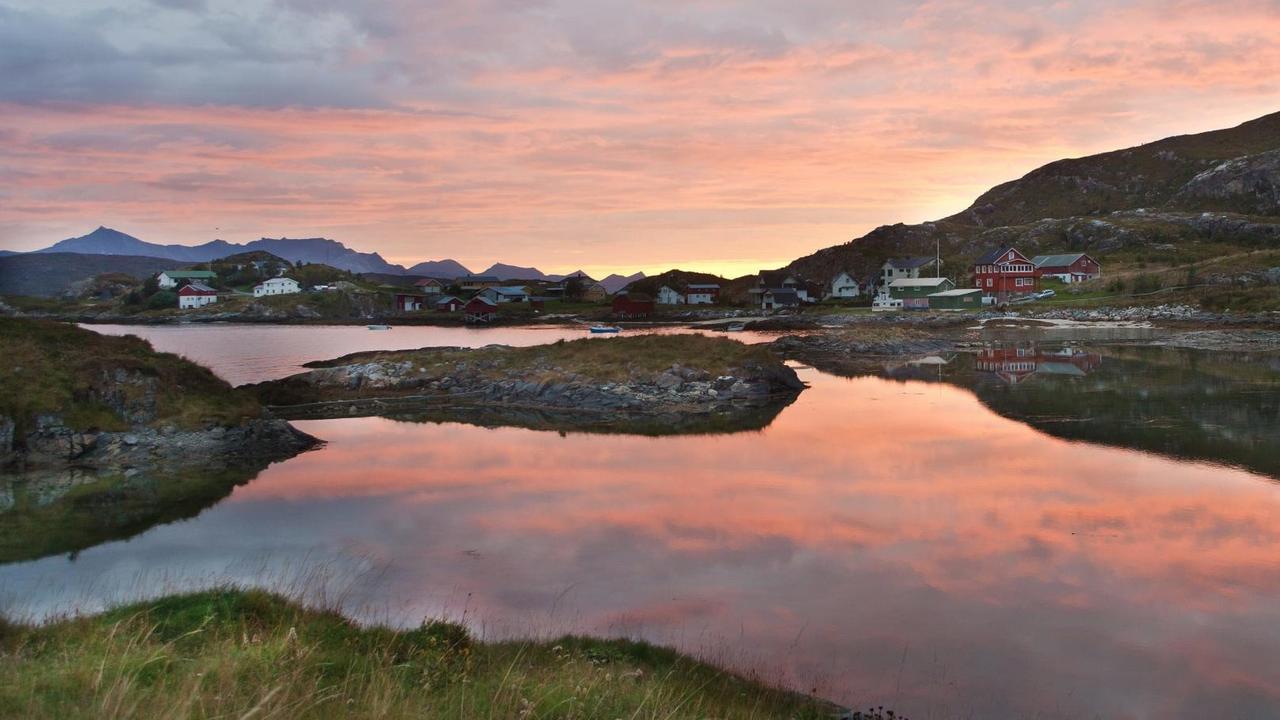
(597, 134)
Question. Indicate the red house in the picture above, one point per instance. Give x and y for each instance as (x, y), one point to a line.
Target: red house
(407, 302)
(1004, 272)
(632, 305)
(480, 309)
(1069, 268)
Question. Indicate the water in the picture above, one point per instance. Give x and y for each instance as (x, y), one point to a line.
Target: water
(940, 540)
(253, 353)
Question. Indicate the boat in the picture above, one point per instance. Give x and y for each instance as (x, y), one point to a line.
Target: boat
(736, 327)
(601, 329)
(379, 327)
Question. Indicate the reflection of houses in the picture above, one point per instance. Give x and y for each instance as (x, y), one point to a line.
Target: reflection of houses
(1015, 364)
(1069, 268)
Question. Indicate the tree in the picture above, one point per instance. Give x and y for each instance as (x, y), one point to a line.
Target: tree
(151, 285)
(573, 288)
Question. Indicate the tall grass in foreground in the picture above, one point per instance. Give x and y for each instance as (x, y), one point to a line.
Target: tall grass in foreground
(249, 654)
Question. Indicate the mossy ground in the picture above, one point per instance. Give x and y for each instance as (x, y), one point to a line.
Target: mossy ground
(54, 368)
(242, 654)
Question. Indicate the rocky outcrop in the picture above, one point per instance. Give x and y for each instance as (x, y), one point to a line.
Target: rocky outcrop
(51, 443)
(1249, 184)
(394, 382)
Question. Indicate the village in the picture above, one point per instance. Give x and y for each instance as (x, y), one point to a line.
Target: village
(1000, 277)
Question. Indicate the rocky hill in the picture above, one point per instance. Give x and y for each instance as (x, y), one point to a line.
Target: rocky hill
(1219, 188)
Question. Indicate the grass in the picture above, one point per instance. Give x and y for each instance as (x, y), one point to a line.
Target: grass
(60, 369)
(248, 654)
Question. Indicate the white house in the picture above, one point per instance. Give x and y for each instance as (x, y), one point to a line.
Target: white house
(903, 269)
(703, 294)
(843, 286)
(668, 296)
(194, 295)
(277, 286)
(170, 279)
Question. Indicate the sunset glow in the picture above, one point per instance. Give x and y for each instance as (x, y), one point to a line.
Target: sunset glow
(604, 135)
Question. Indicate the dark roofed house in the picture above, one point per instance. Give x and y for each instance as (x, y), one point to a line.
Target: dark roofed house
(409, 302)
(472, 283)
(480, 309)
(629, 305)
(779, 298)
(196, 294)
(449, 303)
(1068, 267)
(430, 286)
(1004, 272)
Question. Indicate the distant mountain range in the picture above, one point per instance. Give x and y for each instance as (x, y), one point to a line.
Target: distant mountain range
(106, 241)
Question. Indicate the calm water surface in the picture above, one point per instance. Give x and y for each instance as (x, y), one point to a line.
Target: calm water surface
(883, 541)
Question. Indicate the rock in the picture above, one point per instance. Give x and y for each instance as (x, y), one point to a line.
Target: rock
(669, 381)
(130, 439)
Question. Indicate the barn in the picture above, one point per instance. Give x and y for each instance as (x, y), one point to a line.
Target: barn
(632, 305)
(479, 309)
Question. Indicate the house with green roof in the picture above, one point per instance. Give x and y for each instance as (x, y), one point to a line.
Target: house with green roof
(1068, 267)
(170, 279)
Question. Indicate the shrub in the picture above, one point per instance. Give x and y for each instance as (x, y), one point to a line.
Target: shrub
(163, 299)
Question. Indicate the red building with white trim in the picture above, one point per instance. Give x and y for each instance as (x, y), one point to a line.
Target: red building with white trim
(1004, 273)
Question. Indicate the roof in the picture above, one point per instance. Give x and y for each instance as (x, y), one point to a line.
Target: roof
(910, 263)
(992, 256)
(482, 299)
(280, 279)
(427, 281)
(704, 286)
(958, 292)
(478, 278)
(918, 282)
(511, 290)
(196, 287)
(1056, 260)
(206, 274)
(774, 278)
(447, 299)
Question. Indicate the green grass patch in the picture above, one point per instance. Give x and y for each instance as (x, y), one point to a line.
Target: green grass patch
(241, 654)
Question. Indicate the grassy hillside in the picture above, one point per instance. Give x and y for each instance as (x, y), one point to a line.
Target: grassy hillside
(108, 383)
(229, 654)
(1158, 208)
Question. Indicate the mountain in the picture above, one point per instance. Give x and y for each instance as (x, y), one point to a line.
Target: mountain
(106, 241)
(615, 282)
(441, 269)
(49, 274)
(515, 272)
(1162, 199)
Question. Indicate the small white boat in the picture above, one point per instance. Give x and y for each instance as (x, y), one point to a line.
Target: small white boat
(379, 327)
(736, 327)
(601, 329)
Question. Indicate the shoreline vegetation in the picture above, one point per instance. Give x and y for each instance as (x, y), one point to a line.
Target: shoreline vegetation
(249, 654)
